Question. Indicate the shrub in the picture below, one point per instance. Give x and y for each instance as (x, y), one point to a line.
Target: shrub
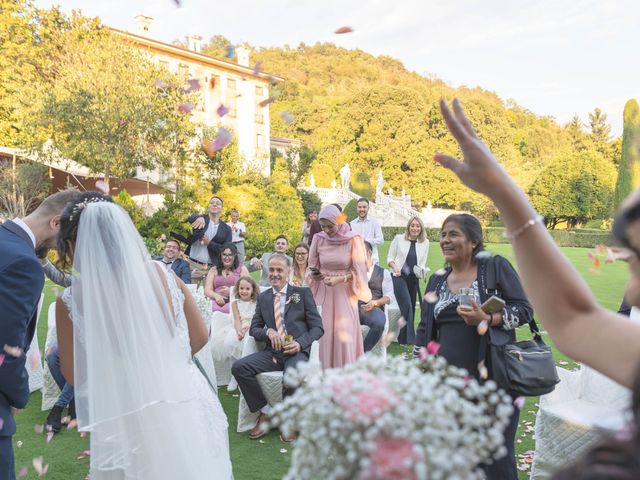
(171, 217)
(132, 208)
(361, 184)
(351, 210)
(310, 201)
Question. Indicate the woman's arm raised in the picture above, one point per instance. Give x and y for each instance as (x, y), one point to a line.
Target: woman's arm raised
(576, 323)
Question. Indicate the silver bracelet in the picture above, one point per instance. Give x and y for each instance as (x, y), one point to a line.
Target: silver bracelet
(529, 223)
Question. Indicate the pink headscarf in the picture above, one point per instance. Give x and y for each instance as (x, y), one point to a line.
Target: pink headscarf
(344, 234)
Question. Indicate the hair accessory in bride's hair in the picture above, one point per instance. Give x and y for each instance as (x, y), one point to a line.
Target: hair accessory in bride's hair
(79, 207)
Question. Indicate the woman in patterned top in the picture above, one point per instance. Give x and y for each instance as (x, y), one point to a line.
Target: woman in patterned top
(459, 331)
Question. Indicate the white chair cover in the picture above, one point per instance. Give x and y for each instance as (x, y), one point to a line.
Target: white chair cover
(50, 390)
(34, 358)
(585, 407)
(393, 320)
(379, 349)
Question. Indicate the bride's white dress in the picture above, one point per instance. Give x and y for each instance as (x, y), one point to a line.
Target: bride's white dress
(212, 441)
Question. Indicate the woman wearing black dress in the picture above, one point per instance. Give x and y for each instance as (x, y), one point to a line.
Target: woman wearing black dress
(456, 329)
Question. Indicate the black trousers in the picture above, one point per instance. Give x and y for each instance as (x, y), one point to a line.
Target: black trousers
(246, 369)
(7, 465)
(505, 468)
(375, 320)
(406, 288)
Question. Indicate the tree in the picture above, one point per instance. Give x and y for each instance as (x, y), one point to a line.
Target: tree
(600, 130)
(629, 167)
(110, 108)
(310, 201)
(22, 186)
(575, 188)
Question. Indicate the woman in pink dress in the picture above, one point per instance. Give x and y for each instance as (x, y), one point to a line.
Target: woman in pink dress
(337, 276)
(223, 275)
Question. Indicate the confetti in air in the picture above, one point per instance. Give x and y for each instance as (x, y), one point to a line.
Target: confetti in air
(23, 472)
(13, 351)
(482, 327)
(223, 138)
(101, 186)
(519, 403)
(231, 51)
(1, 359)
(431, 297)
(185, 108)
(286, 117)
(257, 68)
(440, 272)
(433, 347)
(194, 84)
(343, 30)
(222, 110)
(40, 469)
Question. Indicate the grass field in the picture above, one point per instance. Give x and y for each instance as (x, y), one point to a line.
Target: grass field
(252, 459)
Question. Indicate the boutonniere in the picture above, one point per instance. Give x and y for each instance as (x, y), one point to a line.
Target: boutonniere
(295, 298)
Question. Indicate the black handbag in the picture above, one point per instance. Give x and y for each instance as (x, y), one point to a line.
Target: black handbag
(525, 368)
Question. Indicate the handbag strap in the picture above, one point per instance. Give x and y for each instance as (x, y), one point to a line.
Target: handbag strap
(492, 289)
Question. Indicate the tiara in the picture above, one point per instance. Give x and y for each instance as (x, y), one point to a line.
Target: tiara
(80, 206)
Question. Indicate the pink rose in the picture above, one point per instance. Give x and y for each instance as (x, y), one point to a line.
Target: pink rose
(393, 458)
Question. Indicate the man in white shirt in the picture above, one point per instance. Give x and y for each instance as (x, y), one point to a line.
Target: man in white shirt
(372, 313)
(368, 228)
(238, 233)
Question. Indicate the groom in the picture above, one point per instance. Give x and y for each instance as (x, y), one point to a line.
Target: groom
(281, 310)
(21, 282)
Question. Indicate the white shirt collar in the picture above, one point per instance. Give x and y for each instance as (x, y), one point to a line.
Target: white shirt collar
(283, 291)
(25, 227)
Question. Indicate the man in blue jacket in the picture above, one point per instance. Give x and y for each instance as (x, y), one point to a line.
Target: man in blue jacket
(171, 260)
(21, 283)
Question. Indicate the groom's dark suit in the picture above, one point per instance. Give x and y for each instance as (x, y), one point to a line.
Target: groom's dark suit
(301, 320)
(21, 282)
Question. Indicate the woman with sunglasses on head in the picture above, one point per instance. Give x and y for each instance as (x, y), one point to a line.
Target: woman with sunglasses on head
(577, 324)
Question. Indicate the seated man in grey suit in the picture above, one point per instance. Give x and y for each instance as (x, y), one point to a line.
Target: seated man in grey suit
(262, 263)
(282, 310)
(372, 313)
(171, 259)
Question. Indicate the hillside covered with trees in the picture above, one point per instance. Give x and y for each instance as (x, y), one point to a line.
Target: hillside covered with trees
(371, 112)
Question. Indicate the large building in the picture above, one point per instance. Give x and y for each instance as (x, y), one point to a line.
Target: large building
(240, 87)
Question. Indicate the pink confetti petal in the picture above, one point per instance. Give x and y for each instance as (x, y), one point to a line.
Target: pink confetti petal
(34, 360)
(72, 424)
(257, 68)
(482, 327)
(431, 297)
(194, 84)
(433, 347)
(423, 353)
(1, 359)
(519, 403)
(286, 117)
(482, 370)
(222, 110)
(49, 436)
(101, 186)
(343, 30)
(1, 424)
(83, 434)
(185, 107)
(223, 138)
(40, 469)
(13, 351)
(38, 428)
(23, 472)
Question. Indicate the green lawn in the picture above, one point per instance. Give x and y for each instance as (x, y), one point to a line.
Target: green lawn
(254, 459)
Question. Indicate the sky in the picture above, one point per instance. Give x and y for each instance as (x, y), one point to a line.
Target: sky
(556, 58)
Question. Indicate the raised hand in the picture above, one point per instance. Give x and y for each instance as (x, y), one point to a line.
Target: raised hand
(198, 223)
(479, 169)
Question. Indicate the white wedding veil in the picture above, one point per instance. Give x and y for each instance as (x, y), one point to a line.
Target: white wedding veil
(133, 390)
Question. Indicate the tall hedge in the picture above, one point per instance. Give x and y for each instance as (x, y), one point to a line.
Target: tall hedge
(629, 168)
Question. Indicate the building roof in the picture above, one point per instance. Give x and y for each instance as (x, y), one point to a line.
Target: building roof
(191, 56)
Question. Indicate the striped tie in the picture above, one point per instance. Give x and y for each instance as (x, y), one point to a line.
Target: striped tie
(277, 314)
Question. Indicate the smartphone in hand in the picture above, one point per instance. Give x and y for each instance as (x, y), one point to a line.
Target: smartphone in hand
(493, 304)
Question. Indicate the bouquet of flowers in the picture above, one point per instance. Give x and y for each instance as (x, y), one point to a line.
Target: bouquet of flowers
(392, 419)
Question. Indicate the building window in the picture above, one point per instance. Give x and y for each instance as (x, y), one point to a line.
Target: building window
(164, 64)
(183, 70)
(259, 92)
(259, 142)
(259, 116)
(231, 84)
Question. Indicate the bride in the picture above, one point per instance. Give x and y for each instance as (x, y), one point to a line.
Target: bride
(127, 330)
